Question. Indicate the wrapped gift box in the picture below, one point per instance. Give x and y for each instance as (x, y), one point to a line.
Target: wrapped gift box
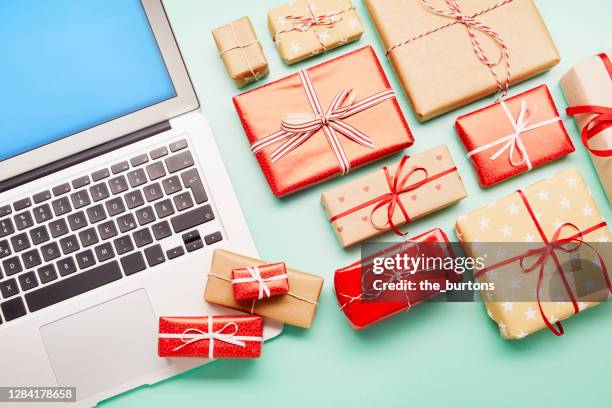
(319, 123)
(297, 307)
(241, 51)
(304, 28)
(424, 183)
(210, 336)
(364, 309)
(557, 212)
(589, 84)
(259, 282)
(514, 135)
(435, 60)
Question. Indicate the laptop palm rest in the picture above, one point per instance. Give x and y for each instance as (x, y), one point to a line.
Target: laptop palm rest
(95, 350)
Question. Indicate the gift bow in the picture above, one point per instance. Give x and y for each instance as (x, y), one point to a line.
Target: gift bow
(297, 129)
(513, 141)
(256, 277)
(193, 335)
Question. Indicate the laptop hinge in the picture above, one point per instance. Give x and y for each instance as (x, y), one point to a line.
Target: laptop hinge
(85, 155)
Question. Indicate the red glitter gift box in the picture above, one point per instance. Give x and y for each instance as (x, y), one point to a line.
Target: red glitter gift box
(514, 135)
(210, 336)
(259, 282)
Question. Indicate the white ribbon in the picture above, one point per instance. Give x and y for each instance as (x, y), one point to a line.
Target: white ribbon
(256, 277)
(513, 141)
(193, 335)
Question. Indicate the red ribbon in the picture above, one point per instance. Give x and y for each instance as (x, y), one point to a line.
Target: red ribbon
(549, 251)
(398, 185)
(600, 122)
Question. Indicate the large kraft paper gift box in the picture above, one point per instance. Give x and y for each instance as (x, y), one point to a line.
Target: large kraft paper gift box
(588, 88)
(297, 307)
(558, 211)
(435, 60)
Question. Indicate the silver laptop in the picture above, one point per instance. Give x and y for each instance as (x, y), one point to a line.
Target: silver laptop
(113, 196)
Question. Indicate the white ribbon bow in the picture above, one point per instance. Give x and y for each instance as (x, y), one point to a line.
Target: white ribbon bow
(256, 277)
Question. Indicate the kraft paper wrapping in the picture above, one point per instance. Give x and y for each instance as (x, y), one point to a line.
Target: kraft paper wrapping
(430, 197)
(440, 72)
(562, 198)
(241, 51)
(297, 307)
(589, 83)
(297, 45)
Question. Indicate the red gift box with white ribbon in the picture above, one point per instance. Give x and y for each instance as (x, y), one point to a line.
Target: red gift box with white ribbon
(260, 282)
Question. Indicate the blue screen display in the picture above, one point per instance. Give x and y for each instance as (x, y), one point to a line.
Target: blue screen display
(69, 65)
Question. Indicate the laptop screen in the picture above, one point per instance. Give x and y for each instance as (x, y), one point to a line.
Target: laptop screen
(69, 65)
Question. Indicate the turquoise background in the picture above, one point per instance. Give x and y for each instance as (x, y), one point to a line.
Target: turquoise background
(435, 354)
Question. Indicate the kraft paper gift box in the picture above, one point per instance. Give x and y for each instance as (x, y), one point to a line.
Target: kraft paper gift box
(367, 206)
(588, 90)
(514, 135)
(365, 308)
(241, 52)
(259, 282)
(210, 336)
(321, 122)
(304, 28)
(435, 60)
(557, 212)
(297, 307)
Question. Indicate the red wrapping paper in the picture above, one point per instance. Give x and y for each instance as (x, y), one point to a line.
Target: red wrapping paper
(260, 282)
(233, 336)
(348, 280)
(263, 109)
(542, 144)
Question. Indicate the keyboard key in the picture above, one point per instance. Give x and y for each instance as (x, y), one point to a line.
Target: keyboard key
(5, 210)
(123, 244)
(61, 206)
(154, 255)
(137, 177)
(138, 160)
(42, 213)
(161, 230)
(23, 220)
(27, 281)
(20, 242)
(190, 236)
(104, 252)
(13, 309)
(126, 223)
(118, 184)
(9, 288)
(175, 252)
(192, 218)
(47, 274)
(195, 245)
(100, 174)
(50, 251)
(12, 266)
(96, 213)
(164, 208)
(172, 185)
(58, 228)
(69, 244)
(40, 197)
(5, 250)
(85, 259)
(6, 227)
(88, 237)
(31, 259)
(73, 286)
(156, 170)
(120, 167)
(80, 182)
(21, 204)
(183, 201)
(133, 263)
(66, 266)
(99, 192)
(115, 206)
(191, 179)
(39, 235)
(213, 238)
(107, 230)
(153, 192)
(142, 237)
(134, 199)
(145, 215)
(159, 152)
(61, 189)
(80, 199)
(179, 161)
(179, 145)
(77, 220)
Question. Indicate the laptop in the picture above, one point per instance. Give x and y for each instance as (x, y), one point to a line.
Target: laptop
(113, 196)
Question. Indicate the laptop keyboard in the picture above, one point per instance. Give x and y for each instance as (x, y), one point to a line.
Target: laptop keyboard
(100, 227)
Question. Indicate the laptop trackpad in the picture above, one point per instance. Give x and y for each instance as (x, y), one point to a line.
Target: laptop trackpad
(104, 346)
